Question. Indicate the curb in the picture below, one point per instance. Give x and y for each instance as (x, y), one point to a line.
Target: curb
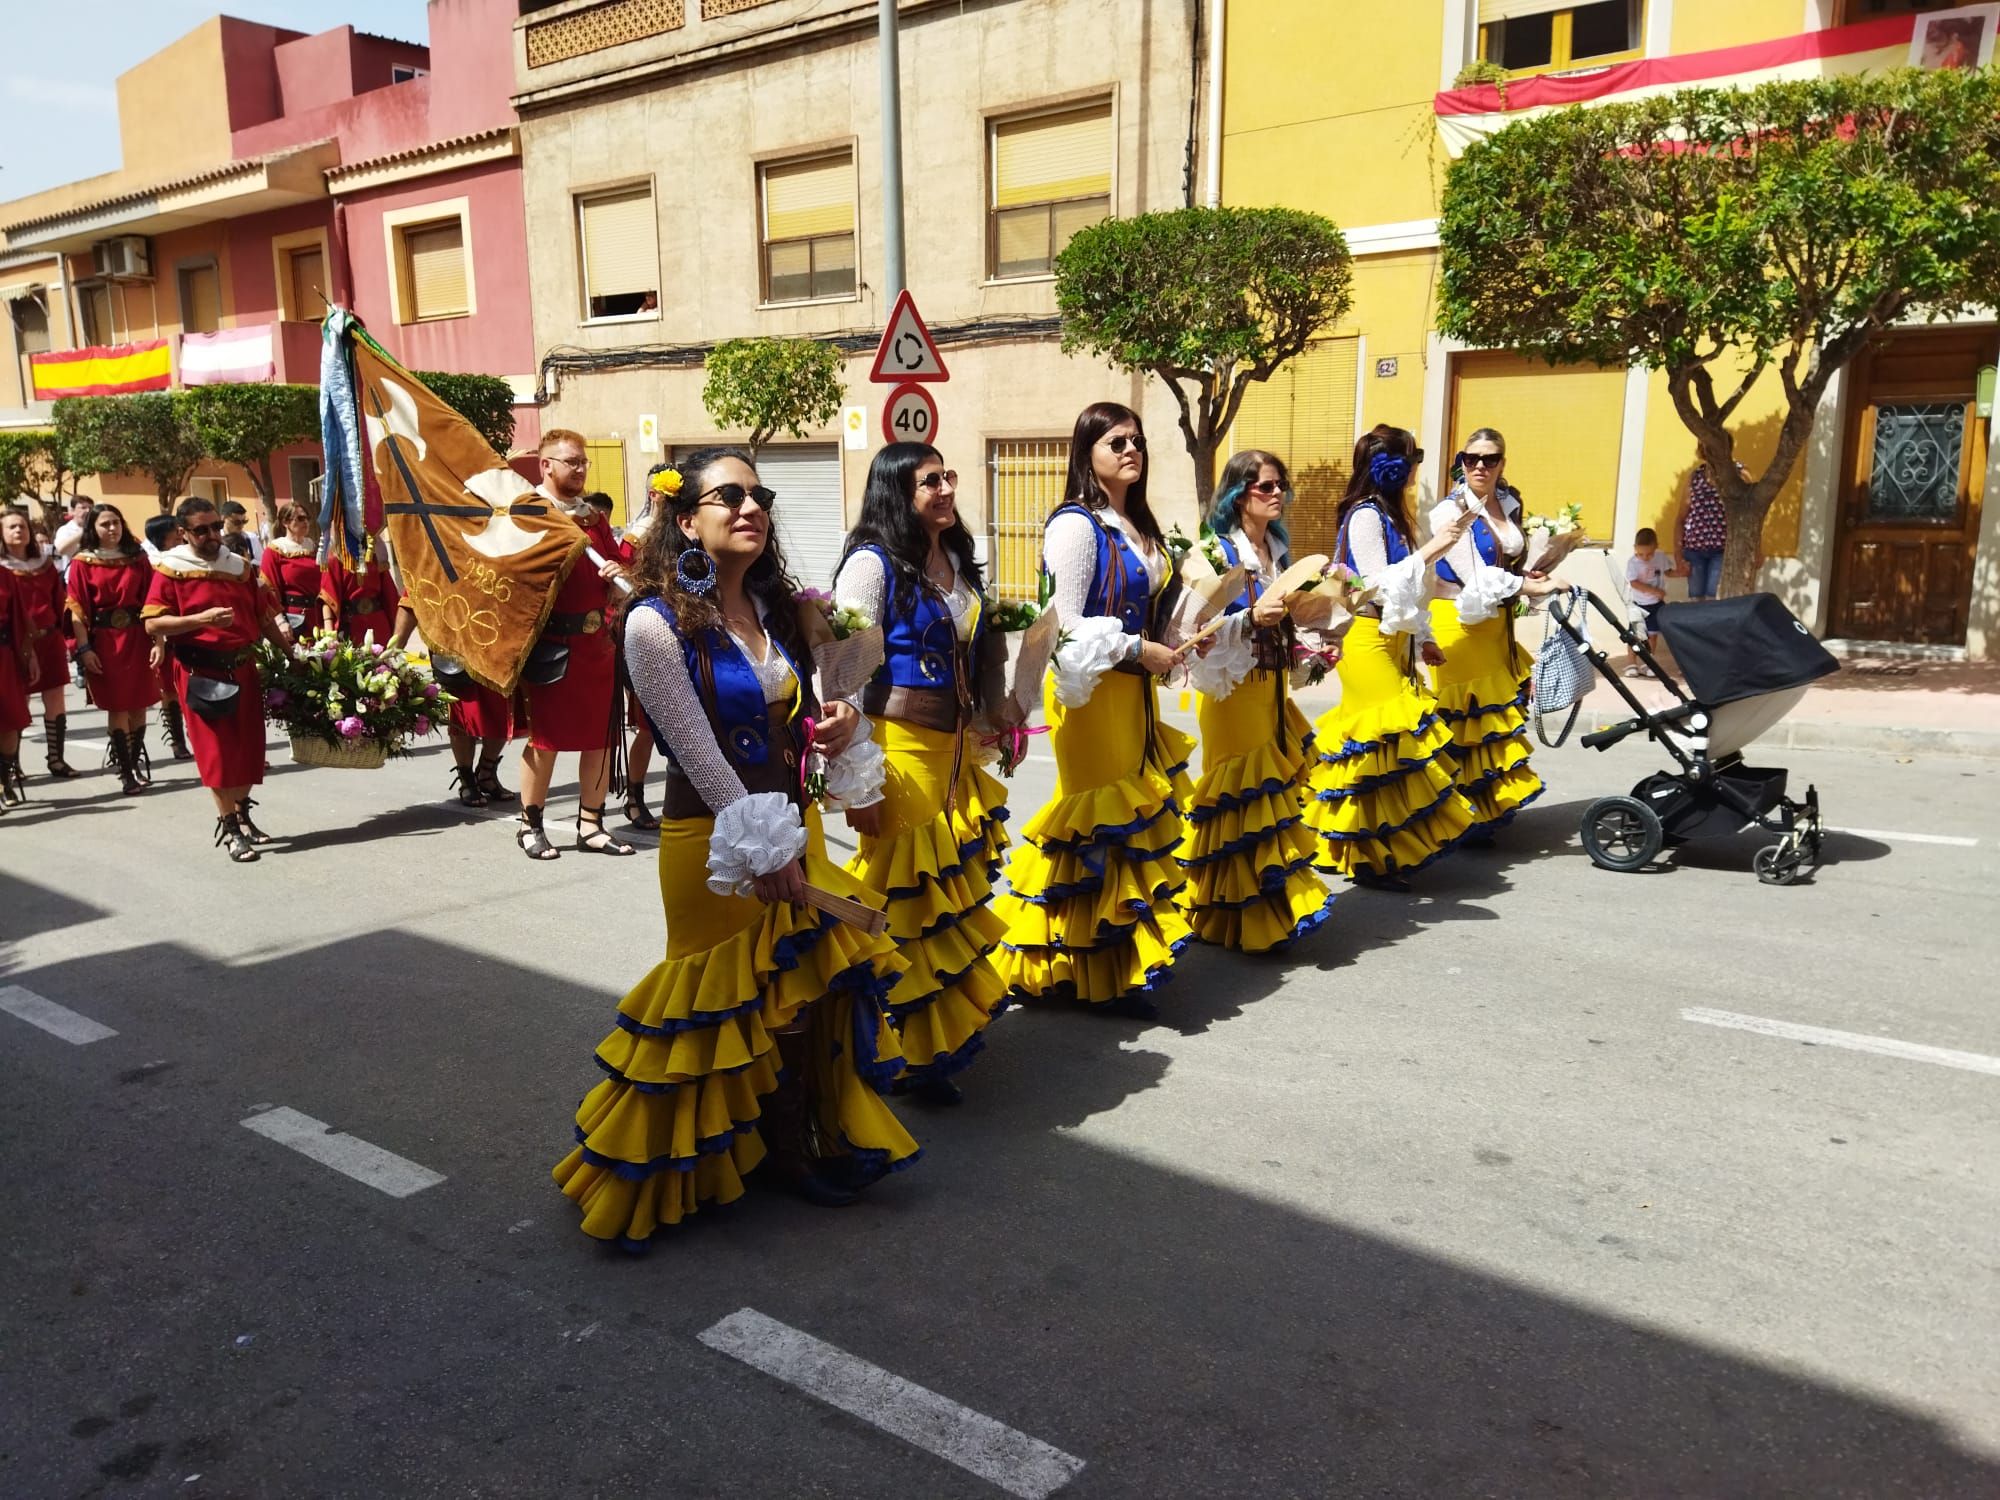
(1884, 739)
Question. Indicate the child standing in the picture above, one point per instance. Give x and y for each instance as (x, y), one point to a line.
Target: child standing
(1646, 580)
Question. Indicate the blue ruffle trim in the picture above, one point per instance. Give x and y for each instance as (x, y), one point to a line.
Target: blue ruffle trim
(1369, 784)
(1394, 869)
(1518, 732)
(639, 1171)
(1271, 882)
(1476, 709)
(1349, 749)
(952, 1062)
(1383, 831)
(1057, 895)
(1494, 775)
(1202, 812)
(1112, 834)
(785, 953)
(1155, 981)
(1242, 843)
(1108, 935)
(1482, 831)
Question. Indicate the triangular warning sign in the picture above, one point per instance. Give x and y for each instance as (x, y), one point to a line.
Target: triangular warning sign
(907, 350)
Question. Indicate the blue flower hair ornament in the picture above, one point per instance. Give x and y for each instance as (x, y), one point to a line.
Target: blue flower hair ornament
(1389, 472)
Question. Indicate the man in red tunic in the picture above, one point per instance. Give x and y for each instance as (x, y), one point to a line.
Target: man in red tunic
(580, 711)
(210, 607)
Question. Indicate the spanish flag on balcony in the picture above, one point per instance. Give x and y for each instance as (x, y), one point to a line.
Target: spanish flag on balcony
(114, 370)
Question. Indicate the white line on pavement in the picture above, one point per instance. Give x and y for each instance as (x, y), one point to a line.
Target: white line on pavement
(56, 1020)
(379, 1169)
(1954, 840)
(1944, 1057)
(1017, 1463)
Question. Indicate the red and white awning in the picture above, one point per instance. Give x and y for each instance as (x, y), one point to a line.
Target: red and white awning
(1471, 114)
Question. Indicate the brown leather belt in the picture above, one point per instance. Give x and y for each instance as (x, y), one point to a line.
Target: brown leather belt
(927, 708)
(301, 601)
(779, 774)
(584, 624)
(366, 604)
(208, 659)
(117, 619)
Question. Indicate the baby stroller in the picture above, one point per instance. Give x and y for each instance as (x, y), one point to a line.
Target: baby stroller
(1748, 661)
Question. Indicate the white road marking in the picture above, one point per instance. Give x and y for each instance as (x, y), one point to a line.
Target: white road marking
(1954, 840)
(56, 1020)
(1855, 1041)
(382, 1170)
(1017, 1463)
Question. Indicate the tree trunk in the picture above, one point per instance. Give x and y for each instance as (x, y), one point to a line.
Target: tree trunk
(1746, 505)
(1203, 454)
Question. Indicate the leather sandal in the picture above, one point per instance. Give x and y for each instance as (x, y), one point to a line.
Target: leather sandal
(466, 787)
(532, 837)
(636, 812)
(229, 835)
(488, 777)
(591, 837)
(251, 831)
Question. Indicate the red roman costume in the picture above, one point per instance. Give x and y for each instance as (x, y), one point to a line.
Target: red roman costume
(576, 713)
(294, 575)
(41, 589)
(229, 751)
(359, 601)
(107, 593)
(14, 711)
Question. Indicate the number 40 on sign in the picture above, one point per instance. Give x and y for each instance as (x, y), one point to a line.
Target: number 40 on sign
(910, 416)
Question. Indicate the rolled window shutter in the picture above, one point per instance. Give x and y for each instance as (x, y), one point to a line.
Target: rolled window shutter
(437, 269)
(308, 285)
(1048, 157)
(620, 244)
(807, 198)
(1506, 10)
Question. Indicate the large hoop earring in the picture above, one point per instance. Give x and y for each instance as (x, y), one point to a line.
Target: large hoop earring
(694, 571)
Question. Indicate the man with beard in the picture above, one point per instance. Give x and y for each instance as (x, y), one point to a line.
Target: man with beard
(210, 607)
(578, 710)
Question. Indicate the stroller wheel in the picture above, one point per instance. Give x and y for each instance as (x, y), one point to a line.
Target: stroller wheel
(1779, 864)
(1622, 834)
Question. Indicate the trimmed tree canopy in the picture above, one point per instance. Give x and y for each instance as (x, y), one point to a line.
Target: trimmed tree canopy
(486, 401)
(769, 385)
(246, 424)
(1709, 231)
(149, 433)
(1208, 299)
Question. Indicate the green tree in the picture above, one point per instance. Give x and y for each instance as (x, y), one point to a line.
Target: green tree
(769, 385)
(1207, 299)
(246, 424)
(149, 433)
(28, 466)
(1722, 236)
(486, 401)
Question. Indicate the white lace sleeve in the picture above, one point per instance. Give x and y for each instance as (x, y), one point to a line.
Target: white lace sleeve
(1482, 588)
(1094, 646)
(863, 584)
(1402, 589)
(854, 777)
(748, 840)
(1096, 642)
(1232, 658)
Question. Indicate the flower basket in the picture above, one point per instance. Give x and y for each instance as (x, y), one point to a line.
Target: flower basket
(349, 755)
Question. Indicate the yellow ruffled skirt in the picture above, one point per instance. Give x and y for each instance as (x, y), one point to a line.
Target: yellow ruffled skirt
(1381, 795)
(674, 1124)
(1248, 853)
(1482, 696)
(931, 866)
(1090, 910)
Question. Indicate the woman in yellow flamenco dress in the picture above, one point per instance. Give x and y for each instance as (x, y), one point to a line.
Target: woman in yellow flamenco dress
(762, 1028)
(1248, 853)
(930, 846)
(1482, 684)
(1381, 797)
(1091, 910)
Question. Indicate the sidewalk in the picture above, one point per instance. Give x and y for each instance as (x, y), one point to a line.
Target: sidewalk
(1897, 707)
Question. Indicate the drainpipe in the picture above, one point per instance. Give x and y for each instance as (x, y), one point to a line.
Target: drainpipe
(1212, 189)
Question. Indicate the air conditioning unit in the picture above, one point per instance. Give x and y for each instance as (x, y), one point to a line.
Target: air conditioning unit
(127, 258)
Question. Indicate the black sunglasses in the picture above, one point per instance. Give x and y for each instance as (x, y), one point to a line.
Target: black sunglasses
(1481, 460)
(1120, 443)
(1268, 487)
(733, 496)
(209, 530)
(939, 480)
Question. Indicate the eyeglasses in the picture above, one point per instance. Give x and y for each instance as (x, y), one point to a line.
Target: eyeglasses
(1270, 487)
(570, 463)
(942, 479)
(732, 496)
(209, 530)
(1121, 442)
(1481, 460)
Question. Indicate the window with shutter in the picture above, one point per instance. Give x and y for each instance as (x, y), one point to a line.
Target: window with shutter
(809, 249)
(306, 274)
(201, 298)
(1050, 175)
(619, 238)
(1540, 36)
(1564, 429)
(433, 271)
(1305, 414)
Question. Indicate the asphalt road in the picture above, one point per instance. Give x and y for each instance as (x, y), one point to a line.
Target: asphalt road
(1453, 1200)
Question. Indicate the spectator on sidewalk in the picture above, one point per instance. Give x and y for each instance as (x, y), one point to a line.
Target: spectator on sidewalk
(69, 536)
(237, 535)
(1702, 532)
(1646, 573)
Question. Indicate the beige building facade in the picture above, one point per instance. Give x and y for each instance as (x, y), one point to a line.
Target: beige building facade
(710, 170)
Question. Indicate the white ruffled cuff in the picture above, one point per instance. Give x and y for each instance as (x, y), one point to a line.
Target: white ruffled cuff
(854, 777)
(1096, 644)
(757, 835)
(1401, 589)
(1232, 658)
(1485, 594)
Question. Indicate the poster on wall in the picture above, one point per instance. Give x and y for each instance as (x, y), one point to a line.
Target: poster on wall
(1960, 38)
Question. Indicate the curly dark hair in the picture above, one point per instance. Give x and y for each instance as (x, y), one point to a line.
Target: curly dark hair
(889, 520)
(1081, 485)
(770, 583)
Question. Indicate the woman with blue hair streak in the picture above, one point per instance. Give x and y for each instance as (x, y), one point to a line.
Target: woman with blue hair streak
(1248, 853)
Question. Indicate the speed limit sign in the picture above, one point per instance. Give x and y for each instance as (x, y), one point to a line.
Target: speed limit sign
(910, 415)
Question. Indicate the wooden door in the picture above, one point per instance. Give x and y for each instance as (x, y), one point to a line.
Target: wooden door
(1911, 487)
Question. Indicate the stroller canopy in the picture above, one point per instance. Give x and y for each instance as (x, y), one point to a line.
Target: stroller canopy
(1742, 647)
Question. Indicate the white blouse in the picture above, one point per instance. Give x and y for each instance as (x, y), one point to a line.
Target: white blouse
(1485, 589)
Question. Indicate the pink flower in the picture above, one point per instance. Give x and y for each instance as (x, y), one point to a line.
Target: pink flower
(277, 698)
(430, 690)
(376, 649)
(423, 724)
(351, 728)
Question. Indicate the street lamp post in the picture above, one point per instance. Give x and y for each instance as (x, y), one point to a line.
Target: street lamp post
(892, 151)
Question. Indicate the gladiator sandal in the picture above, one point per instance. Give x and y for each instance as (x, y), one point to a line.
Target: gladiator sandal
(142, 760)
(231, 836)
(636, 812)
(55, 727)
(251, 831)
(11, 794)
(488, 776)
(787, 1126)
(466, 787)
(591, 837)
(126, 753)
(531, 836)
(170, 715)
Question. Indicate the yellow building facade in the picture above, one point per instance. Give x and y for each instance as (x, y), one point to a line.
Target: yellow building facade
(1343, 109)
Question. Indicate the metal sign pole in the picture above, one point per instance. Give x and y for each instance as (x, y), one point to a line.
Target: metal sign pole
(892, 150)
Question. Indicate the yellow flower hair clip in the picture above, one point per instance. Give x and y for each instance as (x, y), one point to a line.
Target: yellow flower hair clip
(667, 482)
